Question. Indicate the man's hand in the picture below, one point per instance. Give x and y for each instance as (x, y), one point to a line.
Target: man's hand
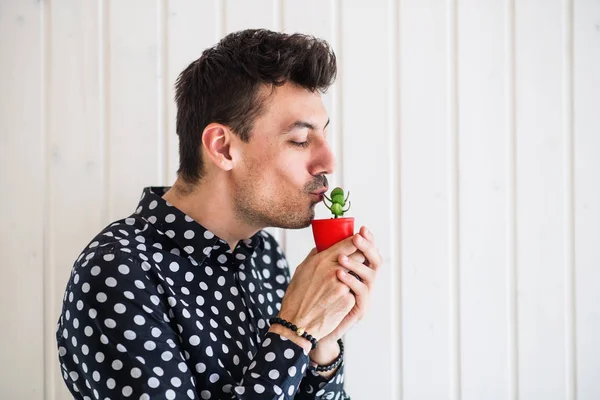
(364, 262)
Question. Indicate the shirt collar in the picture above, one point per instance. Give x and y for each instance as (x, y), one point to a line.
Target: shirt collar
(193, 238)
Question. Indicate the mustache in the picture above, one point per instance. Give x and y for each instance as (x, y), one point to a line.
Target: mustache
(319, 182)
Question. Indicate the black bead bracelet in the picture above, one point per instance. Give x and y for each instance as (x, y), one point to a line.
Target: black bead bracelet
(299, 331)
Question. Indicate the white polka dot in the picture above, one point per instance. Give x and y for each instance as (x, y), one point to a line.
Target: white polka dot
(136, 372)
(194, 340)
(110, 323)
(158, 371)
(110, 383)
(157, 257)
(209, 235)
(139, 320)
(156, 332)
(189, 234)
(149, 345)
(259, 388)
(205, 394)
(289, 354)
(170, 394)
(273, 374)
(174, 266)
(153, 382)
(120, 308)
(291, 390)
(200, 368)
(127, 391)
(292, 371)
(117, 365)
(176, 382)
(213, 378)
(170, 218)
(209, 351)
(153, 204)
(166, 356)
(270, 357)
(130, 335)
(95, 270)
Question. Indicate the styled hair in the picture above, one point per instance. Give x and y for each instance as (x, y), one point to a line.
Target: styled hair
(224, 85)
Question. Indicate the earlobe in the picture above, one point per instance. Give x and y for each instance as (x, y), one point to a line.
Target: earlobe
(216, 140)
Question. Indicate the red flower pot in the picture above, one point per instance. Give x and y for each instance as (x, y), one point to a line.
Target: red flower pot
(328, 232)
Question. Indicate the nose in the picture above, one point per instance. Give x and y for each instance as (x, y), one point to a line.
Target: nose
(324, 161)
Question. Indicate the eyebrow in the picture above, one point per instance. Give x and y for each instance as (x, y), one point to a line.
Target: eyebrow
(303, 124)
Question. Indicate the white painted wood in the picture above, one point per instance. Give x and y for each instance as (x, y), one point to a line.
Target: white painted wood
(586, 86)
(540, 201)
(76, 155)
(366, 166)
(424, 200)
(134, 145)
(22, 210)
(483, 184)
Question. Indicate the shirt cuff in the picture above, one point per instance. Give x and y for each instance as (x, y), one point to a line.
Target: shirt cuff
(315, 386)
(277, 368)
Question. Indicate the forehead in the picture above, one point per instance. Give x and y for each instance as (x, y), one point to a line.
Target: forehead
(290, 102)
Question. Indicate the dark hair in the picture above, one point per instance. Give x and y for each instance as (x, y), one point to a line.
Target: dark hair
(223, 85)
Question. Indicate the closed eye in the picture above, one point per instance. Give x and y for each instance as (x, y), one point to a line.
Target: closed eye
(299, 144)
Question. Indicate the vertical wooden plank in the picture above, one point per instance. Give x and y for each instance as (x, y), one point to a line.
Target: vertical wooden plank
(241, 14)
(482, 192)
(186, 40)
(134, 140)
(540, 200)
(77, 158)
(366, 166)
(424, 200)
(22, 213)
(316, 18)
(22, 159)
(568, 196)
(586, 81)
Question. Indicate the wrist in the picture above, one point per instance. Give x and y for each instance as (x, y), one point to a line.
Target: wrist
(326, 353)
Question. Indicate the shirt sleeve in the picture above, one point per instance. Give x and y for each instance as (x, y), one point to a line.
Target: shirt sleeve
(315, 386)
(116, 340)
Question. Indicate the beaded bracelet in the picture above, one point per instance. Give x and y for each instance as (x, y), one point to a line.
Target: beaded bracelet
(299, 331)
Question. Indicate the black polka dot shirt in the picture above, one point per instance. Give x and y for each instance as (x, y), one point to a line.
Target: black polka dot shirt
(158, 307)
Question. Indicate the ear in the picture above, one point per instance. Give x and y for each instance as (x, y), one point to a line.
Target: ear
(216, 140)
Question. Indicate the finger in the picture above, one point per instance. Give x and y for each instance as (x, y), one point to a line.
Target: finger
(365, 274)
(358, 256)
(360, 290)
(369, 250)
(345, 247)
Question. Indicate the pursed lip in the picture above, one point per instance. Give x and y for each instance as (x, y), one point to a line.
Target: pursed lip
(320, 192)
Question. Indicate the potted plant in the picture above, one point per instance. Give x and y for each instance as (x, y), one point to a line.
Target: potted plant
(328, 232)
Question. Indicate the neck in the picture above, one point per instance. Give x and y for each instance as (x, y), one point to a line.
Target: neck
(210, 203)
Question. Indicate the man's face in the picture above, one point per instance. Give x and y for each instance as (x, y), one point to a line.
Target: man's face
(282, 171)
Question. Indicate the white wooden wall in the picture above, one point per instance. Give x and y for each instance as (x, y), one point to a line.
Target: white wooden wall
(467, 131)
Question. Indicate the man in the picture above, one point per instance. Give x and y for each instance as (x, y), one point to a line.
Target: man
(176, 300)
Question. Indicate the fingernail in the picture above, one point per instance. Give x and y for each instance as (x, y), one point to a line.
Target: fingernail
(344, 258)
(343, 274)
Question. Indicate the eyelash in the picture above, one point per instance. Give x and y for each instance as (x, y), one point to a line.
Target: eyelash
(300, 144)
